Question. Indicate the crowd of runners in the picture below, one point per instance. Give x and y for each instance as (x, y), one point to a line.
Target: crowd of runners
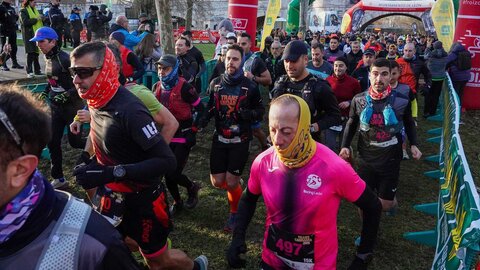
(313, 94)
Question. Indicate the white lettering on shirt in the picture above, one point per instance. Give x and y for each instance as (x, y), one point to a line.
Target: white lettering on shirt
(150, 130)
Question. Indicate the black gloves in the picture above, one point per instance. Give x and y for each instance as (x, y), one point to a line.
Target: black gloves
(247, 114)
(93, 174)
(236, 248)
(360, 263)
(61, 98)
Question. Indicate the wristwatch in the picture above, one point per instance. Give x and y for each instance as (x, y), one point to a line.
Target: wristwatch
(119, 171)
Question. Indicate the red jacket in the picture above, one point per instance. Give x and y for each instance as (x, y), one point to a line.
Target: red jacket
(344, 88)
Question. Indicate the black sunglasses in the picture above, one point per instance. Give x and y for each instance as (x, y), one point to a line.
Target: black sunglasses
(11, 129)
(83, 72)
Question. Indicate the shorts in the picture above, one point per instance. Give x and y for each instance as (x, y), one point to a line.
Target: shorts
(229, 158)
(147, 220)
(382, 178)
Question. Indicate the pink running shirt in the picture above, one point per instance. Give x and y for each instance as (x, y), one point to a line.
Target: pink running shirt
(302, 205)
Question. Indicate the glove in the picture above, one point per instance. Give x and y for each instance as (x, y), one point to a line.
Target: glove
(61, 98)
(236, 248)
(247, 114)
(359, 263)
(93, 174)
(44, 96)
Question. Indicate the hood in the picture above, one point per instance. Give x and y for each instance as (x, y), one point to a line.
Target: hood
(438, 53)
(457, 47)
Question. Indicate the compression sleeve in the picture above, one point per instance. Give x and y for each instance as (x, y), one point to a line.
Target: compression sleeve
(246, 209)
(139, 70)
(409, 124)
(159, 161)
(371, 212)
(351, 126)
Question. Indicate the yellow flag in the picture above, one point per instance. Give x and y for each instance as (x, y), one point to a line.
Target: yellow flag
(272, 12)
(443, 17)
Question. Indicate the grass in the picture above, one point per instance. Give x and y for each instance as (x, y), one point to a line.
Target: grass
(200, 231)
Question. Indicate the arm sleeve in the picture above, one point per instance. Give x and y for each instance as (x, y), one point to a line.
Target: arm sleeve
(351, 126)
(256, 103)
(409, 124)
(327, 102)
(133, 60)
(190, 96)
(371, 211)
(246, 210)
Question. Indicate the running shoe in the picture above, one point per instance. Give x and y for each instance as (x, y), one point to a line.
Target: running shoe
(59, 182)
(176, 208)
(30, 75)
(231, 222)
(202, 262)
(192, 200)
(17, 66)
(5, 68)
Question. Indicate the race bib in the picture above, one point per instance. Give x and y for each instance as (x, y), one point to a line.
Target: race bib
(109, 204)
(295, 250)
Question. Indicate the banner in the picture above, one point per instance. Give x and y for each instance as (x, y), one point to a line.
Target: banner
(443, 17)
(458, 225)
(467, 32)
(198, 36)
(270, 17)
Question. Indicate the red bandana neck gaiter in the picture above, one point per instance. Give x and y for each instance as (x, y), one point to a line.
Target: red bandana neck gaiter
(106, 84)
(378, 96)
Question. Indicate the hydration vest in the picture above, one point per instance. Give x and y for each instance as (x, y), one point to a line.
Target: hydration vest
(306, 92)
(175, 104)
(127, 69)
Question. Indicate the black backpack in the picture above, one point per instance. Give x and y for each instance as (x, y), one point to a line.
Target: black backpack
(464, 60)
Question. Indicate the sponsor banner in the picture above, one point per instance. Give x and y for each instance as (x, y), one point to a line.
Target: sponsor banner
(443, 17)
(198, 36)
(273, 9)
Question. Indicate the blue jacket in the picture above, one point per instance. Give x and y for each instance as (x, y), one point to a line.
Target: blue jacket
(130, 39)
(456, 74)
(436, 63)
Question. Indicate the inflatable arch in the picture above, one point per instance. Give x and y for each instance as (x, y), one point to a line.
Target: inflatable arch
(352, 19)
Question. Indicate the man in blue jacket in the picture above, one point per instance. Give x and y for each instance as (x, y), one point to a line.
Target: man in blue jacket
(131, 40)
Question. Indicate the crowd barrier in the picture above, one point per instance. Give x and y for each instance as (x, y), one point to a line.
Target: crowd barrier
(456, 237)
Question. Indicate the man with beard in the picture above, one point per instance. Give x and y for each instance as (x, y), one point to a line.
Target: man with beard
(318, 66)
(62, 97)
(411, 67)
(195, 53)
(345, 88)
(354, 56)
(315, 91)
(333, 51)
(381, 114)
(130, 159)
(236, 104)
(275, 64)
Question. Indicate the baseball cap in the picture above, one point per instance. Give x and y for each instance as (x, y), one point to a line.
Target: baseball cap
(369, 52)
(294, 50)
(43, 33)
(167, 60)
(230, 35)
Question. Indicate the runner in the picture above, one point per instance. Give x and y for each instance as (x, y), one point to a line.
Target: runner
(315, 91)
(30, 207)
(183, 101)
(381, 114)
(235, 102)
(63, 98)
(130, 157)
(302, 183)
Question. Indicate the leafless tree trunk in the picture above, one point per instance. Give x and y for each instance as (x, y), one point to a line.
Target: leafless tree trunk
(188, 16)
(165, 24)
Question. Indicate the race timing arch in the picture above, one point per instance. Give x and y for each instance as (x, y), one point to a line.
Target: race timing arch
(352, 19)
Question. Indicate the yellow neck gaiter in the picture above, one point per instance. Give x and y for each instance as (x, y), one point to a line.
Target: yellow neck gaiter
(303, 147)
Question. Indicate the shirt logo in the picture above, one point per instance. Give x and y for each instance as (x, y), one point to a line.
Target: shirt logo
(314, 181)
(150, 130)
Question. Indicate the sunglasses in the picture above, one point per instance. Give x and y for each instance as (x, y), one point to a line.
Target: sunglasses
(83, 72)
(11, 129)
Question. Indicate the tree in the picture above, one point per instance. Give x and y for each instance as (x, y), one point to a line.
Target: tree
(164, 16)
(188, 16)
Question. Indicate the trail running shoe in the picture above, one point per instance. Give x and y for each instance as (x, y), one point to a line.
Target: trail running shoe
(202, 261)
(192, 200)
(59, 182)
(231, 222)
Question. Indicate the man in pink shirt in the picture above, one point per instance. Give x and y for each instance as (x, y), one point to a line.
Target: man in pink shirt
(302, 183)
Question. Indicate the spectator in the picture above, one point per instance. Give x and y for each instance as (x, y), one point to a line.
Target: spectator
(96, 22)
(145, 24)
(31, 21)
(8, 32)
(459, 65)
(56, 20)
(77, 26)
(188, 66)
(121, 26)
(437, 64)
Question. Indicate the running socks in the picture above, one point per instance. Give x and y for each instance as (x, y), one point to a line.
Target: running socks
(234, 196)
